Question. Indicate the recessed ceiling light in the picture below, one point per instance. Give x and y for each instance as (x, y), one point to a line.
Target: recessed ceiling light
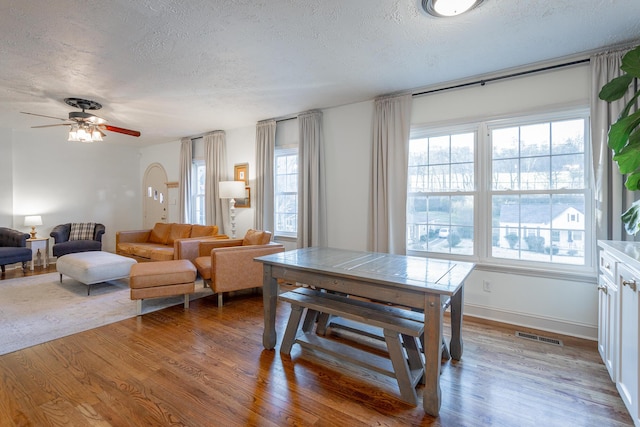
(446, 8)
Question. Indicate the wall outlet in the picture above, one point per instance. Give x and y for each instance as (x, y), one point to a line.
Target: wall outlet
(486, 286)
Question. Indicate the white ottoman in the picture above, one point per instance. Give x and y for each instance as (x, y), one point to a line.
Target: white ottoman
(94, 267)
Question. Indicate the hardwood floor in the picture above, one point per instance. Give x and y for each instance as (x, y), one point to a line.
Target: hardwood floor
(206, 367)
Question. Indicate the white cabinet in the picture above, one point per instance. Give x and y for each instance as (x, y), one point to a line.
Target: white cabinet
(619, 309)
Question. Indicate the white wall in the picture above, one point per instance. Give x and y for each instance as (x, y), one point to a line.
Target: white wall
(6, 178)
(241, 148)
(74, 182)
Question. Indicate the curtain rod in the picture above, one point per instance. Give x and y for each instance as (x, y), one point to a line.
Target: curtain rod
(288, 118)
(507, 76)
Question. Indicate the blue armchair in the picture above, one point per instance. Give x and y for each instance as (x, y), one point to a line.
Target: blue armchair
(13, 248)
(76, 237)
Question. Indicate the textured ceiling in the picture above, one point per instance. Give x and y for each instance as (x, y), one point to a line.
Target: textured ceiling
(173, 68)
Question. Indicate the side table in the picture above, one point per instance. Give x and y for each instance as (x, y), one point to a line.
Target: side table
(39, 247)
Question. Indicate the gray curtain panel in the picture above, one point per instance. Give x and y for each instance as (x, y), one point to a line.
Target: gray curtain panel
(312, 200)
(389, 169)
(184, 186)
(264, 194)
(215, 153)
(611, 196)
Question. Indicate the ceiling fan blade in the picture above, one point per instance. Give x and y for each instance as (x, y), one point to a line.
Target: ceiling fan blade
(42, 115)
(120, 130)
(48, 126)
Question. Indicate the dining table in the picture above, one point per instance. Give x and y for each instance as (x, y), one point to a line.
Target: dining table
(424, 284)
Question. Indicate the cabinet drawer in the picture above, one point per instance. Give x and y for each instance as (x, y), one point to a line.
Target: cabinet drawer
(607, 265)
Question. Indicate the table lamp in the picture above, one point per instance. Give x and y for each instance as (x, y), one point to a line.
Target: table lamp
(232, 190)
(32, 221)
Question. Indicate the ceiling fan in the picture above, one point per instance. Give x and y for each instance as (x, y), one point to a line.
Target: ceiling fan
(85, 127)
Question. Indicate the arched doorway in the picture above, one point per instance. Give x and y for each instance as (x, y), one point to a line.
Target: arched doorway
(154, 190)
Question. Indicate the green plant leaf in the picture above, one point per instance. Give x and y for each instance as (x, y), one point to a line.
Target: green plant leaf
(633, 181)
(629, 106)
(620, 131)
(616, 88)
(631, 62)
(628, 158)
(631, 218)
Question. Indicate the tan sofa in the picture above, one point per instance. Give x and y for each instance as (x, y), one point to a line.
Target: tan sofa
(228, 265)
(165, 241)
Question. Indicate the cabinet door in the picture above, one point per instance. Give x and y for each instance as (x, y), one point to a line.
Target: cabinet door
(611, 350)
(607, 334)
(603, 317)
(627, 282)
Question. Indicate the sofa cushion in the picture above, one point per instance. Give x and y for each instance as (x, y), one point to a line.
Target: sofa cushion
(164, 253)
(256, 237)
(178, 231)
(160, 233)
(82, 230)
(12, 254)
(203, 230)
(203, 265)
(146, 275)
(75, 246)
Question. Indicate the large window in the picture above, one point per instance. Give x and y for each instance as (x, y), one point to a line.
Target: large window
(442, 193)
(510, 191)
(286, 192)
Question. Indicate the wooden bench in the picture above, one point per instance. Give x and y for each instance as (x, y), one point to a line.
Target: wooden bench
(325, 321)
(401, 334)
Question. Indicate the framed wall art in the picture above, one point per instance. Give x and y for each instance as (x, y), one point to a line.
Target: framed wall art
(241, 173)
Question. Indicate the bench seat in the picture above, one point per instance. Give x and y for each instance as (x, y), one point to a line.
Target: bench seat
(401, 334)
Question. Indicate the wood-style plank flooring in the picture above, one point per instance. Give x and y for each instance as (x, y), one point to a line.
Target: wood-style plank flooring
(206, 367)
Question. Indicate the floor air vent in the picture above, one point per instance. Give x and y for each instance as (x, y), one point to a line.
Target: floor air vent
(539, 338)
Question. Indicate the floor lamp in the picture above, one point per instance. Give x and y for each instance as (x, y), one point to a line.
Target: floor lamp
(232, 190)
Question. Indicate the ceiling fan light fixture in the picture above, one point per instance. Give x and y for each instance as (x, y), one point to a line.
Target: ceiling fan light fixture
(83, 135)
(448, 8)
(95, 134)
(73, 134)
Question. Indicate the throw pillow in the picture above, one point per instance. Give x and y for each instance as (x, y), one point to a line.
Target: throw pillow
(203, 230)
(178, 231)
(82, 230)
(160, 233)
(255, 237)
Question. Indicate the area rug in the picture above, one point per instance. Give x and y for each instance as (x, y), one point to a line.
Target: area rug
(38, 309)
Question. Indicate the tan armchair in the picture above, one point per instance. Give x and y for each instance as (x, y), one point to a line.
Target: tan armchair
(227, 265)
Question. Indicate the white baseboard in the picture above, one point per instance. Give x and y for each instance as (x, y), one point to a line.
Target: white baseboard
(559, 326)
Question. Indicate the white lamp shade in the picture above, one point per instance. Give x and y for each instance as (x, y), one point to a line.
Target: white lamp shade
(232, 190)
(32, 220)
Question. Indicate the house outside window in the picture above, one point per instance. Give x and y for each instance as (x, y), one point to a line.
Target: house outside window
(286, 192)
(510, 191)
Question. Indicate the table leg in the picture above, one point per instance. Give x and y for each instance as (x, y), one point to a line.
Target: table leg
(455, 346)
(432, 353)
(270, 299)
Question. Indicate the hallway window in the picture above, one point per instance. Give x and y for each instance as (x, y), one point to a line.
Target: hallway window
(286, 192)
(197, 193)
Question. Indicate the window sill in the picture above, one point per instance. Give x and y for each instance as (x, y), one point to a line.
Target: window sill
(550, 271)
